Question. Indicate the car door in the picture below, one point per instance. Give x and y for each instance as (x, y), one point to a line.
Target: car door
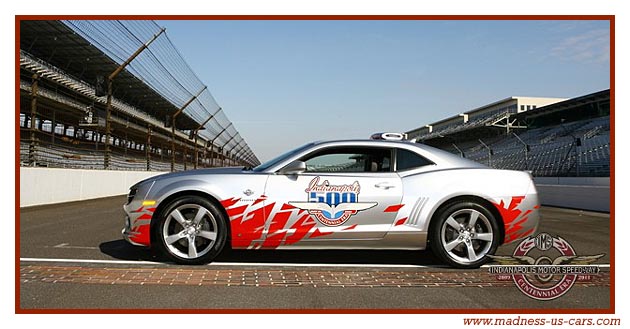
(345, 193)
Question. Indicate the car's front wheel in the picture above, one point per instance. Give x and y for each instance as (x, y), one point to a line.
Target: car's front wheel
(464, 233)
(190, 230)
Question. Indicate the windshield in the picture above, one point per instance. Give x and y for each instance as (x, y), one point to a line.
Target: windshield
(281, 158)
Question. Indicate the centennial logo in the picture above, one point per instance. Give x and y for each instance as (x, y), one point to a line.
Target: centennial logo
(332, 205)
(544, 267)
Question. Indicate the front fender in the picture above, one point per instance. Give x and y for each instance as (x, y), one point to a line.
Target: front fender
(163, 190)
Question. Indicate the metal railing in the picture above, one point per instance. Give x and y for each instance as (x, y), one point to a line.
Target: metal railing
(142, 49)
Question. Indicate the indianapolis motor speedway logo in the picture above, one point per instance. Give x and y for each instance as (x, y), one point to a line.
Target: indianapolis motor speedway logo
(544, 267)
(332, 205)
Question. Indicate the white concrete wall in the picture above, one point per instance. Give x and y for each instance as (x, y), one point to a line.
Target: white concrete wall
(40, 186)
(584, 181)
(587, 193)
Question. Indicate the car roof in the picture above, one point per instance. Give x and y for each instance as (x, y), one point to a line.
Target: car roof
(364, 141)
(378, 142)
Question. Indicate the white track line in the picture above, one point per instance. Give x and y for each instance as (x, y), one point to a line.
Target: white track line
(90, 261)
(143, 262)
(140, 262)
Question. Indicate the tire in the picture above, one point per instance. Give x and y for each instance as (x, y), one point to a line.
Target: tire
(458, 243)
(190, 230)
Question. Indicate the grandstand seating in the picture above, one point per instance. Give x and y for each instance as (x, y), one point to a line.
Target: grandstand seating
(62, 156)
(554, 150)
(474, 122)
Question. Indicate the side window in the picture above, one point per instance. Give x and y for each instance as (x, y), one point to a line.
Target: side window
(344, 159)
(406, 159)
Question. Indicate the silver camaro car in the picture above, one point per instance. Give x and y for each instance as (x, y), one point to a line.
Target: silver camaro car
(350, 194)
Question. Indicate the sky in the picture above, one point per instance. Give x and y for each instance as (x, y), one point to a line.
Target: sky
(286, 83)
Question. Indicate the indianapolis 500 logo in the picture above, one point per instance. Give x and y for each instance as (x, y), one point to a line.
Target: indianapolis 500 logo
(332, 205)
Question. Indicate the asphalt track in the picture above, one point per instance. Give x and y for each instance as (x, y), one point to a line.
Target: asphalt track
(73, 257)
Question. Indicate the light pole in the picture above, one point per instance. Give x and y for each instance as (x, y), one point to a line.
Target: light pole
(526, 149)
(223, 149)
(458, 149)
(490, 152)
(212, 143)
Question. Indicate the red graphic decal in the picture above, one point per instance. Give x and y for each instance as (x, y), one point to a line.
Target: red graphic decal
(141, 226)
(513, 218)
(510, 212)
(229, 202)
(350, 227)
(260, 199)
(235, 212)
(248, 225)
(317, 233)
(287, 206)
(393, 208)
(401, 221)
(301, 227)
(246, 230)
(279, 221)
(141, 235)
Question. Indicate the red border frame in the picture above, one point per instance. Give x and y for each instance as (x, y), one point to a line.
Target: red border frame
(610, 310)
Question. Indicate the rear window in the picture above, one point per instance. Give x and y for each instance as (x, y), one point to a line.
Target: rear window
(406, 160)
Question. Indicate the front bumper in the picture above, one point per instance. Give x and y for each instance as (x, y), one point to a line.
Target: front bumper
(137, 228)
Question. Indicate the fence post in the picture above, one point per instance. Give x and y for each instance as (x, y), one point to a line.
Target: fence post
(110, 79)
(223, 149)
(32, 147)
(108, 124)
(196, 154)
(490, 152)
(179, 111)
(147, 148)
(184, 147)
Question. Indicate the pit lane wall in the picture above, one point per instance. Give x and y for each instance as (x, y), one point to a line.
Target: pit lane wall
(40, 186)
(586, 193)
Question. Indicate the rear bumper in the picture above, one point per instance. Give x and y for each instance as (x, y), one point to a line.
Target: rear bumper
(520, 214)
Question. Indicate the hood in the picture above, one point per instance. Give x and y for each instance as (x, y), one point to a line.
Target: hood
(209, 171)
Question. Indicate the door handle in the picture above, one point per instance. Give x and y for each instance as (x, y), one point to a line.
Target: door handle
(384, 185)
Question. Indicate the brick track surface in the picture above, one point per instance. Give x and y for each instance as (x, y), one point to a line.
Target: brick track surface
(273, 278)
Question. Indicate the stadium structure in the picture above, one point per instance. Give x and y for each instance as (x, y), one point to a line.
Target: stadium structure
(550, 137)
(117, 95)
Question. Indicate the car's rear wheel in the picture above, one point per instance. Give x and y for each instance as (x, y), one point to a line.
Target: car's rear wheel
(190, 230)
(464, 233)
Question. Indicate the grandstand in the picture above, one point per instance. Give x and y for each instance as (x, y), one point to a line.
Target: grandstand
(117, 95)
(564, 138)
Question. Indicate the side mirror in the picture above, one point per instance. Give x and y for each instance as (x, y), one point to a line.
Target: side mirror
(294, 168)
